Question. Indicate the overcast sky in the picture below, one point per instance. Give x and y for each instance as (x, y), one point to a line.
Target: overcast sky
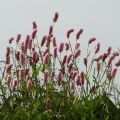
(98, 18)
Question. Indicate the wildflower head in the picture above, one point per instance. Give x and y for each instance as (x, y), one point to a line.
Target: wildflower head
(35, 56)
(79, 33)
(54, 42)
(91, 40)
(55, 52)
(61, 47)
(55, 18)
(50, 30)
(10, 40)
(46, 58)
(47, 103)
(109, 50)
(34, 34)
(77, 53)
(34, 25)
(18, 38)
(21, 74)
(64, 60)
(7, 51)
(66, 46)
(117, 63)
(69, 58)
(8, 68)
(45, 76)
(29, 84)
(22, 58)
(43, 40)
(85, 61)
(97, 48)
(113, 72)
(9, 78)
(69, 32)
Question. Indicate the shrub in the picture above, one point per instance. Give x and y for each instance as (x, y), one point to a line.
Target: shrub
(42, 79)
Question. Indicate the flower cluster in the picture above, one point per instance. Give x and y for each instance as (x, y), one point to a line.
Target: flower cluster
(31, 72)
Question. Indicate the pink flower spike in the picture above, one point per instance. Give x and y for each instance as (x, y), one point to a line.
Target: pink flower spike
(47, 103)
(112, 57)
(29, 84)
(85, 61)
(77, 53)
(91, 40)
(54, 42)
(98, 66)
(10, 40)
(13, 88)
(43, 40)
(50, 30)
(15, 83)
(74, 75)
(45, 76)
(67, 46)
(55, 17)
(61, 47)
(30, 44)
(55, 52)
(21, 74)
(82, 77)
(69, 58)
(34, 34)
(18, 38)
(48, 41)
(69, 32)
(70, 67)
(78, 81)
(27, 78)
(64, 60)
(8, 68)
(46, 59)
(79, 33)
(22, 46)
(116, 53)
(17, 55)
(114, 71)
(9, 78)
(35, 56)
(109, 50)
(71, 74)
(7, 60)
(77, 45)
(22, 58)
(97, 48)
(117, 63)
(46, 51)
(34, 25)
(99, 57)
(105, 55)
(26, 43)
(7, 51)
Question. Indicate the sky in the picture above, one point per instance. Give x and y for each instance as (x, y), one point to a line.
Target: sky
(98, 18)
